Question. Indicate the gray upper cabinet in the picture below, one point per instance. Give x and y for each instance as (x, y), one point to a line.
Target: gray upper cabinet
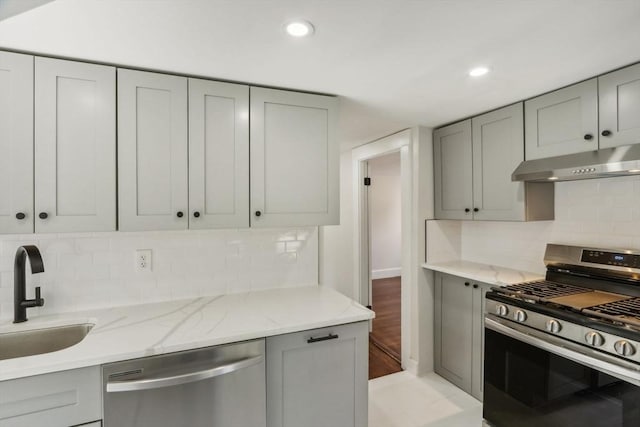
(75, 146)
(152, 151)
(498, 148)
(453, 171)
(16, 143)
(294, 159)
(562, 122)
(619, 96)
(473, 162)
(218, 155)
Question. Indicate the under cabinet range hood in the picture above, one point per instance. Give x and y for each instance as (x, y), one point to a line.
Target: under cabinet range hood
(604, 163)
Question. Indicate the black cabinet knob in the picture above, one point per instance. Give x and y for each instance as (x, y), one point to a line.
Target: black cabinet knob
(20, 215)
(43, 215)
(606, 133)
(475, 286)
(476, 209)
(196, 214)
(466, 283)
(179, 214)
(258, 213)
(588, 137)
(467, 210)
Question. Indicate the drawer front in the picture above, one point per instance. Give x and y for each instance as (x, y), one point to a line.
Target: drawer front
(60, 399)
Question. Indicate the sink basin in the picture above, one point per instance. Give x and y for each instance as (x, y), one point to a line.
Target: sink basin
(39, 341)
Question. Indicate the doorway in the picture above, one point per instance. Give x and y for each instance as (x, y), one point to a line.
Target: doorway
(384, 210)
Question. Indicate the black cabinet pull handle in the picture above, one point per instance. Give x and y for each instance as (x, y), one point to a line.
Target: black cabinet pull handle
(476, 209)
(466, 283)
(311, 340)
(467, 210)
(20, 215)
(588, 137)
(475, 286)
(606, 132)
(258, 213)
(180, 214)
(196, 214)
(43, 215)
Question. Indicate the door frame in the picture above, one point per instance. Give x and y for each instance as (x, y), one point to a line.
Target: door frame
(398, 142)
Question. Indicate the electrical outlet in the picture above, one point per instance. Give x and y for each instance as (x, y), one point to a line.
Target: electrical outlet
(143, 260)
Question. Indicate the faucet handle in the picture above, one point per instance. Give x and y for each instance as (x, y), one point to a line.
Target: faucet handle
(39, 300)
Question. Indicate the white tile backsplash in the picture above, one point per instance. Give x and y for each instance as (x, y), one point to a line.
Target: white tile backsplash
(598, 212)
(96, 270)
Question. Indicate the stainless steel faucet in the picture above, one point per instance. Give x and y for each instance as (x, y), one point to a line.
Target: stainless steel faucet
(20, 303)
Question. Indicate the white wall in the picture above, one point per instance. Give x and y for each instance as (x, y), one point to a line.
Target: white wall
(94, 270)
(599, 212)
(385, 208)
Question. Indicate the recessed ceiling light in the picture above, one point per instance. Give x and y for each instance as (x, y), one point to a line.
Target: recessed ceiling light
(552, 178)
(299, 28)
(478, 71)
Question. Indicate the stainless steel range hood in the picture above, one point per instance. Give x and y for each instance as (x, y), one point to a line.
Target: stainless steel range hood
(604, 163)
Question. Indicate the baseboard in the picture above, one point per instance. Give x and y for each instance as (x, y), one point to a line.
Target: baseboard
(385, 273)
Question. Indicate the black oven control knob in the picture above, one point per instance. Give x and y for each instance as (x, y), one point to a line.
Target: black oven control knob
(553, 326)
(520, 316)
(624, 348)
(502, 310)
(594, 339)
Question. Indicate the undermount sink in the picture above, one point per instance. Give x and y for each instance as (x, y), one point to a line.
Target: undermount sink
(39, 341)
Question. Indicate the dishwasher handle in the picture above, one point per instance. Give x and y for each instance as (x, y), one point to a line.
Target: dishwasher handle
(190, 377)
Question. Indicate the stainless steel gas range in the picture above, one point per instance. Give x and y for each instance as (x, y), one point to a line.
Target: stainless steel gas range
(565, 351)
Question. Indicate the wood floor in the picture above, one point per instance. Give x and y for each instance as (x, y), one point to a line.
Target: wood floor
(384, 340)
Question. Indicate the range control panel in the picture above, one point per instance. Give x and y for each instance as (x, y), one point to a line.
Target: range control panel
(618, 259)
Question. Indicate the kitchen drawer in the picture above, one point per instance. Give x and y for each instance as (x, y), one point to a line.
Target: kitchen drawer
(61, 399)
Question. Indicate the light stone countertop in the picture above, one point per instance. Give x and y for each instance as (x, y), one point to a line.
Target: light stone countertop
(130, 332)
(491, 274)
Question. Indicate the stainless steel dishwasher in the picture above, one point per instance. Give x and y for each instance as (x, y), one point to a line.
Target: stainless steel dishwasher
(222, 386)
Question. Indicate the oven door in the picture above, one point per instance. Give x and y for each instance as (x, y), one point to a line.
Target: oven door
(533, 379)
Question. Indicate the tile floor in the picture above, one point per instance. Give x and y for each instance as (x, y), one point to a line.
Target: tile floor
(404, 400)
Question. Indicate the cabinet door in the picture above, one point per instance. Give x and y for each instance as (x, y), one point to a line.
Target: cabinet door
(294, 159)
(562, 122)
(16, 143)
(152, 151)
(75, 146)
(321, 383)
(477, 370)
(218, 155)
(619, 96)
(453, 171)
(498, 148)
(453, 329)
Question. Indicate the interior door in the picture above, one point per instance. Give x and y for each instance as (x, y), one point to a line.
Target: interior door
(294, 159)
(75, 146)
(152, 151)
(16, 143)
(619, 96)
(218, 155)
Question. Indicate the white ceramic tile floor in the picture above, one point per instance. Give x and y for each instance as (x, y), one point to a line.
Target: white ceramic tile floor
(404, 400)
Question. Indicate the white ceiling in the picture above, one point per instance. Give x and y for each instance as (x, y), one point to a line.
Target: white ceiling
(396, 63)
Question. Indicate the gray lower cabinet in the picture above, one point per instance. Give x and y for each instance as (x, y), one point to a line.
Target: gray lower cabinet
(459, 331)
(60, 399)
(318, 378)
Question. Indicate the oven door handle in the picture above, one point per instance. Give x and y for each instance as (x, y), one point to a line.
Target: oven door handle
(190, 377)
(610, 365)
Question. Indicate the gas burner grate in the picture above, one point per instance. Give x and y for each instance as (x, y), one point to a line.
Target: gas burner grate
(542, 289)
(629, 307)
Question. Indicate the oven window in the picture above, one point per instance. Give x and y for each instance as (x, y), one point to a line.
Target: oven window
(529, 387)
